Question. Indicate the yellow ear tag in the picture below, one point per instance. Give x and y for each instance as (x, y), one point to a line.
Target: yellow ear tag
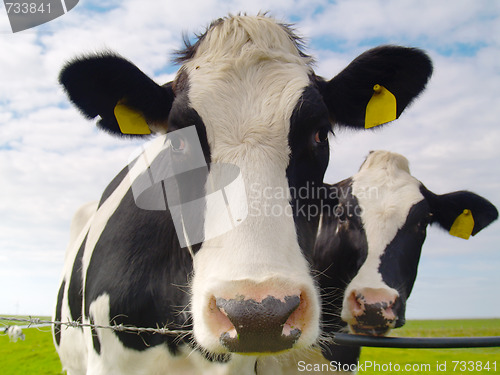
(381, 108)
(130, 121)
(463, 225)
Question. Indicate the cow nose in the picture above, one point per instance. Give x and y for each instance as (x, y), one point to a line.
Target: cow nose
(373, 310)
(259, 327)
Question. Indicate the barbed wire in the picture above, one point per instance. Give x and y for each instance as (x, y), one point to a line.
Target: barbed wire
(116, 327)
(339, 338)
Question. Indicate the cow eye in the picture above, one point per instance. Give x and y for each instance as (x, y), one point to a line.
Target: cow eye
(321, 135)
(177, 143)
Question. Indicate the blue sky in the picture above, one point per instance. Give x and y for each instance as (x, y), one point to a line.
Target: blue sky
(52, 160)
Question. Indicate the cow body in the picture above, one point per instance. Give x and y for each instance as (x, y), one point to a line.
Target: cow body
(174, 241)
(369, 245)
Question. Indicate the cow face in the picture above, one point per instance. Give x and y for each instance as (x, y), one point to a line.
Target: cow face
(252, 97)
(378, 243)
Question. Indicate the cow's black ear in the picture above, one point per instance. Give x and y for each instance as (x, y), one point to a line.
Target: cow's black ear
(97, 84)
(461, 212)
(400, 71)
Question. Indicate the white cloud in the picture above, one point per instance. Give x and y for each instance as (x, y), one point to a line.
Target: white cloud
(52, 160)
(440, 24)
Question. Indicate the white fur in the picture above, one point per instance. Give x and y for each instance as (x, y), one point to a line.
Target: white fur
(116, 359)
(385, 191)
(72, 349)
(245, 82)
(15, 333)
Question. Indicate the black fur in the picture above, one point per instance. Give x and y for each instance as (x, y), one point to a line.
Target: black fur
(308, 163)
(95, 84)
(96, 343)
(399, 262)
(57, 316)
(337, 258)
(447, 207)
(403, 71)
(75, 296)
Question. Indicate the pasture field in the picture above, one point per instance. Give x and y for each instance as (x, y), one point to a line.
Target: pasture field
(438, 361)
(36, 355)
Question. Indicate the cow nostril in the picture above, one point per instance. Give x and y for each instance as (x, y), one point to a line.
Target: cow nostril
(389, 307)
(271, 325)
(390, 311)
(296, 320)
(356, 303)
(220, 318)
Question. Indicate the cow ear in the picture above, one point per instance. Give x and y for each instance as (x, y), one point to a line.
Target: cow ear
(377, 86)
(461, 213)
(126, 100)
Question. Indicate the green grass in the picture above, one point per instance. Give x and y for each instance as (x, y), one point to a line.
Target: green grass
(433, 357)
(36, 355)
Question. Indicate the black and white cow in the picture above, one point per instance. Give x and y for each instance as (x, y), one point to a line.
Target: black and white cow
(369, 245)
(249, 95)
(15, 333)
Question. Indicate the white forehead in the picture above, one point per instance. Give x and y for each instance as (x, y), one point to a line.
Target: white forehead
(386, 191)
(245, 80)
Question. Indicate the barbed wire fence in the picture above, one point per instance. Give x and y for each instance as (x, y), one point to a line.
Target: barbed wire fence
(338, 338)
(36, 322)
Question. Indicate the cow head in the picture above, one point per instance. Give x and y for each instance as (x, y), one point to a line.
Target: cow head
(380, 220)
(255, 102)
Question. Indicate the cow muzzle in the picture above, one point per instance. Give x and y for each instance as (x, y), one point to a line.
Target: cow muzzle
(271, 325)
(258, 319)
(372, 311)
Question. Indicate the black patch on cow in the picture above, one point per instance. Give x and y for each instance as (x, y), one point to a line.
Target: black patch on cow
(75, 290)
(308, 162)
(138, 262)
(340, 251)
(96, 343)
(399, 262)
(58, 314)
(309, 158)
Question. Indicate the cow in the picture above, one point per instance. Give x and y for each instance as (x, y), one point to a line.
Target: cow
(369, 244)
(15, 333)
(175, 240)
